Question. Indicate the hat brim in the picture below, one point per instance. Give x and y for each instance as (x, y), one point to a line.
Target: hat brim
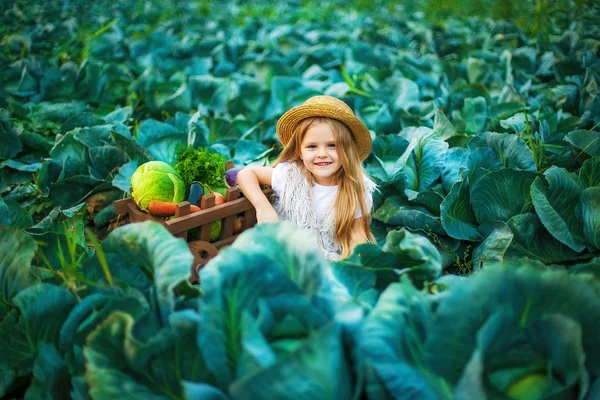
(288, 122)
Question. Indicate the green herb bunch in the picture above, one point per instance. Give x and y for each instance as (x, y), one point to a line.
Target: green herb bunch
(201, 165)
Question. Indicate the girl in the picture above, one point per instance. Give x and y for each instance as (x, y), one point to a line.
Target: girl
(318, 177)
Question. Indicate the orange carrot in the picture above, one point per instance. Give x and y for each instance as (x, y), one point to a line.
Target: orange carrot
(157, 207)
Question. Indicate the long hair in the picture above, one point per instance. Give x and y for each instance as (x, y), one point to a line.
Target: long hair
(350, 178)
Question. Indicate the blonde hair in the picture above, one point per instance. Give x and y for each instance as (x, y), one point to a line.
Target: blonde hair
(350, 178)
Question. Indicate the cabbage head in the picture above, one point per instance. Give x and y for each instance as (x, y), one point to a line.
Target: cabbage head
(215, 230)
(156, 180)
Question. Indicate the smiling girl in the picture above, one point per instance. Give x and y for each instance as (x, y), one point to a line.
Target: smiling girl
(318, 178)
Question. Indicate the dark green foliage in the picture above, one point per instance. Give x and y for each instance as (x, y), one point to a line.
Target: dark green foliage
(533, 16)
(200, 165)
(485, 150)
(275, 319)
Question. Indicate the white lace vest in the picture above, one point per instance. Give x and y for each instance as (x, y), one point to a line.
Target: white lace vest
(293, 203)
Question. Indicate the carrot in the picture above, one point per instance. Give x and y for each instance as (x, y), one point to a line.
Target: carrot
(157, 207)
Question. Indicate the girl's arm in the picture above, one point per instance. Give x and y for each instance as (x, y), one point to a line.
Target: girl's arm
(249, 180)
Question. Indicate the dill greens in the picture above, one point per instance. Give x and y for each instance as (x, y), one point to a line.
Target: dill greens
(201, 165)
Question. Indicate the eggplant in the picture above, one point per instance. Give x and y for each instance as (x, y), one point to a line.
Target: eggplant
(230, 177)
(196, 193)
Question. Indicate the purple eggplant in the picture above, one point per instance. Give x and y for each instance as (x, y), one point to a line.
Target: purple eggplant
(231, 177)
(196, 193)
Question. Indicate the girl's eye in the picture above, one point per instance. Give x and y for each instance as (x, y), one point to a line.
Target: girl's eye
(312, 146)
(332, 145)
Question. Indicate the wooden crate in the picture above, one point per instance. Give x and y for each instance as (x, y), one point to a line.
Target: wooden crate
(203, 250)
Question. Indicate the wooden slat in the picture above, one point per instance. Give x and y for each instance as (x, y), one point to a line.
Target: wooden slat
(227, 227)
(120, 206)
(136, 215)
(232, 193)
(233, 207)
(229, 164)
(205, 232)
(207, 203)
(249, 219)
(182, 209)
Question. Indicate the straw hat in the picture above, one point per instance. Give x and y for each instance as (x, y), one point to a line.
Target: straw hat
(330, 107)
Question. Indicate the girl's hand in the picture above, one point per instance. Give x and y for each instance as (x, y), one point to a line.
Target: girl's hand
(266, 214)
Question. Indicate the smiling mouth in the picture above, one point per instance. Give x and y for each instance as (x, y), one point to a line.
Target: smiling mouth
(323, 164)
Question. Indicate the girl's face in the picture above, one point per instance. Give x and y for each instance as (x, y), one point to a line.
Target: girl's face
(319, 153)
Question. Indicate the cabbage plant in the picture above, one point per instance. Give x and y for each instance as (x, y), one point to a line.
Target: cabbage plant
(272, 318)
(509, 332)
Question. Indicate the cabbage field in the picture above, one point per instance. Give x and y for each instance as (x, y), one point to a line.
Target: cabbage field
(483, 284)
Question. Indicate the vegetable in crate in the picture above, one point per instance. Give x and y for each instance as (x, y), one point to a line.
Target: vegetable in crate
(200, 165)
(215, 230)
(156, 180)
(216, 190)
(238, 225)
(219, 198)
(230, 177)
(165, 208)
(196, 193)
